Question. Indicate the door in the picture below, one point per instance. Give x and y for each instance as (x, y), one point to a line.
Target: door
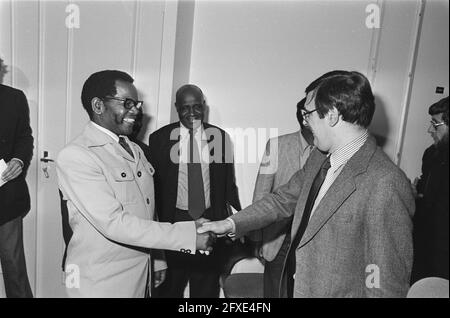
(51, 47)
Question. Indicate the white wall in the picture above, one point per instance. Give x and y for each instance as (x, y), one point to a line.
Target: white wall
(431, 71)
(253, 60)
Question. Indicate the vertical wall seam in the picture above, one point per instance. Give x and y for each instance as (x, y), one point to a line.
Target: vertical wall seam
(13, 43)
(39, 138)
(409, 81)
(135, 37)
(160, 66)
(375, 46)
(69, 67)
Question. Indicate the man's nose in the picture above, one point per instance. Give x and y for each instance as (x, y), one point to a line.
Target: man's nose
(191, 110)
(430, 129)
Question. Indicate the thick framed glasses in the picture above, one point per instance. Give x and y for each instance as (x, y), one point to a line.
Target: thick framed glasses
(128, 103)
(436, 125)
(306, 114)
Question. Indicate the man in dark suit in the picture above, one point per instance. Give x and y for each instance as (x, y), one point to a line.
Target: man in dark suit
(431, 239)
(16, 149)
(194, 178)
(352, 207)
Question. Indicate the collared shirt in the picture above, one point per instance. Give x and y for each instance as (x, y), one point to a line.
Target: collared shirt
(182, 193)
(106, 131)
(338, 159)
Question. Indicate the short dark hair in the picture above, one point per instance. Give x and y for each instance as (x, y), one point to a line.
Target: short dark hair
(300, 107)
(440, 107)
(313, 85)
(350, 94)
(101, 84)
(187, 87)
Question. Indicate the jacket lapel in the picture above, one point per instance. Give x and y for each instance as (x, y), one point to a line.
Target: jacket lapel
(212, 164)
(172, 167)
(311, 168)
(339, 192)
(96, 138)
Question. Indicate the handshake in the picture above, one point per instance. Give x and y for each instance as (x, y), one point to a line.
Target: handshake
(207, 233)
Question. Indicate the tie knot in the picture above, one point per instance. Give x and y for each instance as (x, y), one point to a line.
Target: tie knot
(125, 145)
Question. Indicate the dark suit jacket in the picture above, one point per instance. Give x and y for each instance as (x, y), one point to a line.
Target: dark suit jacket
(16, 141)
(360, 232)
(223, 190)
(431, 221)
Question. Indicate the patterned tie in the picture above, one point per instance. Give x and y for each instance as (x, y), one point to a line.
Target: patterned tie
(125, 146)
(196, 192)
(313, 192)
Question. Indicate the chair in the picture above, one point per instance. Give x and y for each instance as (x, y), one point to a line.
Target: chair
(430, 287)
(243, 273)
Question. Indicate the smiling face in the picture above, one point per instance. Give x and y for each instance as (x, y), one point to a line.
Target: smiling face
(190, 106)
(318, 126)
(440, 132)
(115, 117)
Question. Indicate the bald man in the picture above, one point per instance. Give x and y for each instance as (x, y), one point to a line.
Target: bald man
(194, 178)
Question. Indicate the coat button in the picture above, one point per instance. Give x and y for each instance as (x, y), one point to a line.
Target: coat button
(139, 174)
(123, 174)
(148, 201)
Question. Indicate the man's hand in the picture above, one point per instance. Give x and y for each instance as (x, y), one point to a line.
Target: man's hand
(414, 189)
(205, 242)
(218, 227)
(200, 221)
(160, 276)
(13, 170)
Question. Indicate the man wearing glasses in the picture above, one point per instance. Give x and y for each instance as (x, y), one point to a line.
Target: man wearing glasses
(431, 221)
(352, 207)
(108, 185)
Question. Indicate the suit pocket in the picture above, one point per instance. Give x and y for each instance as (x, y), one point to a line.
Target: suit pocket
(124, 185)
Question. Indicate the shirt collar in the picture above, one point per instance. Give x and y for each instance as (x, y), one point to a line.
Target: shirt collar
(184, 132)
(106, 131)
(343, 154)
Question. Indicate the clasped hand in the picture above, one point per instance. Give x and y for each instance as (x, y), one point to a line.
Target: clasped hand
(205, 241)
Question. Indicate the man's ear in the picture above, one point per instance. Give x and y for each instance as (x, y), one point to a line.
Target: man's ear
(97, 105)
(333, 117)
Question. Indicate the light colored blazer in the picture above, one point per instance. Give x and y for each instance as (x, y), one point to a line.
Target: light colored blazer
(110, 199)
(358, 242)
(283, 157)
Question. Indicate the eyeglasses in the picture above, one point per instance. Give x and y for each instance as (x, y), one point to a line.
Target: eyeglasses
(436, 125)
(306, 114)
(128, 103)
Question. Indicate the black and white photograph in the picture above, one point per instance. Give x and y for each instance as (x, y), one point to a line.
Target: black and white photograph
(233, 151)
